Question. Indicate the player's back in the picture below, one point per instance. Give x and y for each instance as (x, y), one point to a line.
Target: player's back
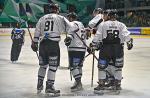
(51, 26)
(53, 23)
(113, 31)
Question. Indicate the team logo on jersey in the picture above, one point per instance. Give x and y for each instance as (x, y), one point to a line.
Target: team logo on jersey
(46, 35)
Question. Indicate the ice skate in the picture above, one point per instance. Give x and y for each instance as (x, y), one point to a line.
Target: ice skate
(100, 88)
(50, 90)
(76, 87)
(39, 86)
(116, 88)
(14, 62)
(109, 85)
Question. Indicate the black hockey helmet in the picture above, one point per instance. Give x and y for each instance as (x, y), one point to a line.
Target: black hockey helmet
(98, 10)
(112, 13)
(53, 8)
(72, 15)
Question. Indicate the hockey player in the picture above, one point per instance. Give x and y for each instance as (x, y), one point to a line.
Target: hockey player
(112, 34)
(47, 33)
(17, 36)
(76, 50)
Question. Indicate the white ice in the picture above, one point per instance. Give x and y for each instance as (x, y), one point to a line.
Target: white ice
(19, 80)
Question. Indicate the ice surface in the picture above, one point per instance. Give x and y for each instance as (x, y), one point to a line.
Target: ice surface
(19, 80)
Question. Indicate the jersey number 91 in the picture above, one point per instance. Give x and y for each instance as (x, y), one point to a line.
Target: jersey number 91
(49, 25)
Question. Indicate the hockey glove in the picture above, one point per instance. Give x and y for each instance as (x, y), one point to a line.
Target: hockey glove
(90, 50)
(96, 46)
(94, 31)
(34, 46)
(67, 41)
(130, 44)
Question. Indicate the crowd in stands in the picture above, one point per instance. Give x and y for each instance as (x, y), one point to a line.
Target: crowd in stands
(136, 19)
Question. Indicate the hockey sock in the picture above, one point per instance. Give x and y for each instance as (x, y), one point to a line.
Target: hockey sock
(42, 72)
(51, 74)
(76, 74)
(101, 74)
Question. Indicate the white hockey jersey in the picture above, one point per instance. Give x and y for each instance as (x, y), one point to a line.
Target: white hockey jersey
(118, 29)
(51, 26)
(95, 21)
(76, 43)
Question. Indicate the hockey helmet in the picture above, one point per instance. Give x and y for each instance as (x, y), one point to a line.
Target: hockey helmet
(72, 15)
(112, 13)
(53, 8)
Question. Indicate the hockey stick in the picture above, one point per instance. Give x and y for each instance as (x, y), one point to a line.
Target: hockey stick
(26, 23)
(92, 71)
(31, 37)
(87, 55)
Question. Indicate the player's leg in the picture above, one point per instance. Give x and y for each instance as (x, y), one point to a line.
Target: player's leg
(76, 63)
(41, 76)
(104, 57)
(110, 75)
(102, 66)
(43, 62)
(119, 62)
(13, 51)
(118, 72)
(18, 50)
(54, 60)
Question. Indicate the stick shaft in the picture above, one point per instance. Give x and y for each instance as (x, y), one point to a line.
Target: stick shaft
(92, 71)
(31, 37)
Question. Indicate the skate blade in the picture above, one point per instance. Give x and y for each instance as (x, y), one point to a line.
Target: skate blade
(117, 92)
(98, 92)
(52, 94)
(112, 92)
(75, 90)
(108, 88)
